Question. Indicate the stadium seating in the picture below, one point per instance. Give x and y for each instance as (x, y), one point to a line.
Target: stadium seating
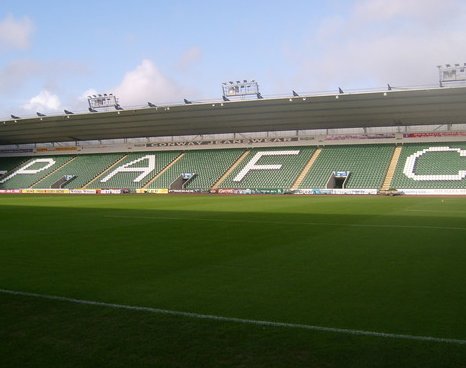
(284, 165)
(84, 167)
(420, 166)
(208, 165)
(431, 166)
(10, 163)
(32, 171)
(367, 165)
(126, 174)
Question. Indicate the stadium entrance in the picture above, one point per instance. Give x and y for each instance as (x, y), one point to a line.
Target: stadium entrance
(338, 180)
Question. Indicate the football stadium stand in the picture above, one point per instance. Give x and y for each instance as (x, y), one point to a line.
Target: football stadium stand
(400, 140)
(413, 166)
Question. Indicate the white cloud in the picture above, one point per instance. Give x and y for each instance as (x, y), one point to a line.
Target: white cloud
(147, 83)
(15, 33)
(398, 41)
(44, 101)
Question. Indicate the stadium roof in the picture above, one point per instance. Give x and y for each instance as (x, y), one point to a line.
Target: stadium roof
(346, 110)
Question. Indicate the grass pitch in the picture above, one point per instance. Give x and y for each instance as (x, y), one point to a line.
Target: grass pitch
(388, 265)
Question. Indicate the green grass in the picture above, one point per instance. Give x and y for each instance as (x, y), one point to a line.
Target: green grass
(394, 265)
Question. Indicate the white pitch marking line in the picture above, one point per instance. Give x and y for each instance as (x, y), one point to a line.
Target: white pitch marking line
(345, 331)
(292, 223)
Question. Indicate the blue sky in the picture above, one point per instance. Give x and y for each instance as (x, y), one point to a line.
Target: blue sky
(52, 53)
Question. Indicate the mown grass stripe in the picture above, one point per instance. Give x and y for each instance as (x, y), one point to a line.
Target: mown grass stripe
(389, 226)
(237, 320)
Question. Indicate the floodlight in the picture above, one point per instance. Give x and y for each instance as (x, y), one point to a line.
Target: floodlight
(239, 89)
(340, 90)
(67, 112)
(295, 94)
(151, 104)
(187, 102)
(14, 116)
(389, 87)
(40, 114)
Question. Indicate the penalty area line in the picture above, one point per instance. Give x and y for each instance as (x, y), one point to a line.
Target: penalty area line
(261, 323)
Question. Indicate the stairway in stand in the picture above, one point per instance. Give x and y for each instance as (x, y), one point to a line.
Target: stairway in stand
(306, 169)
(391, 168)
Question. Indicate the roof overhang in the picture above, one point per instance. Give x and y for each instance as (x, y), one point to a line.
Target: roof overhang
(348, 110)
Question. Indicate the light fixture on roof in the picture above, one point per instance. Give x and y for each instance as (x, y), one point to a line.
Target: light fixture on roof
(102, 101)
(118, 107)
(14, 116)
(151, 104)
(68, 112)
(340, 90)
(39, 114)
(389, 87)
(295, 94)
(92, 110)
(452, 75)
(187, 102)
(242, 90)
(259, 96)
